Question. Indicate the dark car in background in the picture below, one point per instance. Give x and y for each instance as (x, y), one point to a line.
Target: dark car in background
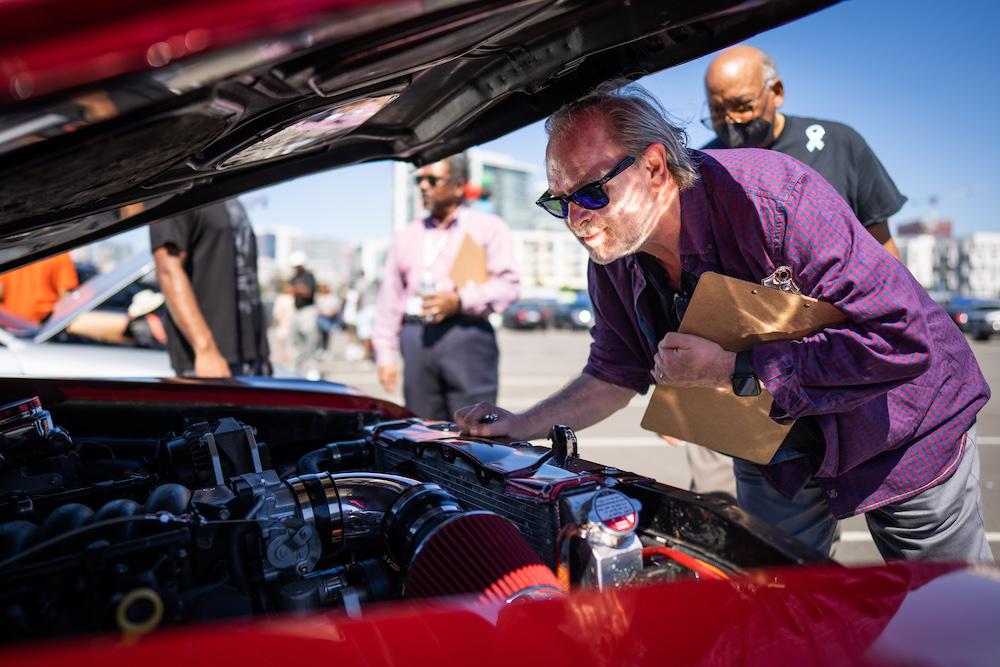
(529, 314)
(982, 320)
(575, 314)
(309, 521)
(960, 308)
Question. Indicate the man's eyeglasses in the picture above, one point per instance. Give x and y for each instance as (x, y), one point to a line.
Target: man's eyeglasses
(591, 196)
(742, 107)
(431, 180)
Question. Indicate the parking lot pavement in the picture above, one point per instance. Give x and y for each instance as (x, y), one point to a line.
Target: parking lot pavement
(535, 364)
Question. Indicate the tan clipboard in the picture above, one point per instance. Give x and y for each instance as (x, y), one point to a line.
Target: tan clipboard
(470, 264)
(737, 315)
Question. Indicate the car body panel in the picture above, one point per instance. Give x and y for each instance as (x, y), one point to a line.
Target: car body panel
(181, 392)
(900, 614)
(60, 360)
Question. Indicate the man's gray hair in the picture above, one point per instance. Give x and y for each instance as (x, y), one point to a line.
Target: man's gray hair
(635, 120)
(768, 69)
(458, 168)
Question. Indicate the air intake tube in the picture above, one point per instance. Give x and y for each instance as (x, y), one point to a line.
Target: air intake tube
(441, 548)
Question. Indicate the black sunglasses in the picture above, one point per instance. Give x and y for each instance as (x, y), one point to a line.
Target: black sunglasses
(591, 195)
(431, 180)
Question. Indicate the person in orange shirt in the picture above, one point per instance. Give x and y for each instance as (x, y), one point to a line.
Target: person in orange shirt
(33, 290)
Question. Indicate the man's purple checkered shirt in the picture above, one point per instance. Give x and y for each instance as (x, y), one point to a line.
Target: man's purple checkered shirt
(893, 391)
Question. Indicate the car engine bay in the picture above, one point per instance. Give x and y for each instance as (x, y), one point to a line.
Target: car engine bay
(118, 519)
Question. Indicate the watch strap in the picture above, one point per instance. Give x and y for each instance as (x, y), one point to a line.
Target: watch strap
(745, 382)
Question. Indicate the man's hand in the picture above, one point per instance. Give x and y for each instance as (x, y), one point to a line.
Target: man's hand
(211, 364)
(689, 361)
(470, 420)
(439, 305)
(388, 377)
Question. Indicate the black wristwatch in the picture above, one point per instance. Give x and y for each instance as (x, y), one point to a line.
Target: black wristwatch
(745, 381)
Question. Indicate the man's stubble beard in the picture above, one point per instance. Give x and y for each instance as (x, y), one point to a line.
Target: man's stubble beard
(632, 241)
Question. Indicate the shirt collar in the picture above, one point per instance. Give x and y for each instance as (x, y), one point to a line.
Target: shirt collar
(429, 222)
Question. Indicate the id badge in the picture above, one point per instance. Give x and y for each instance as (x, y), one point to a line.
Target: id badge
(414, 305)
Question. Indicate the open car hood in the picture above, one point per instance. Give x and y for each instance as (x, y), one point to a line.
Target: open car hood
(181, 103)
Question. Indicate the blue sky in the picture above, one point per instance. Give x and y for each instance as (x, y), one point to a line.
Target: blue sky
(918, 79)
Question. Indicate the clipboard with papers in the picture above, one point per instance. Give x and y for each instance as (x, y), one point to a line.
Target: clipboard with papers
(737, 315)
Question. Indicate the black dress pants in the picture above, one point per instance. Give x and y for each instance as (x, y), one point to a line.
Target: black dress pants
(448, 365)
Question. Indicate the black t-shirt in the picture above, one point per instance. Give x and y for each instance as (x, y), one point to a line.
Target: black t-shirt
(307, 279)
(221, 263)
(844, 159)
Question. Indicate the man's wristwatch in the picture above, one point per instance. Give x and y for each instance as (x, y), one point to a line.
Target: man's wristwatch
(745, 381)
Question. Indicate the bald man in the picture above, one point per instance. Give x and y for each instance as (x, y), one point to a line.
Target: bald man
(744, 94)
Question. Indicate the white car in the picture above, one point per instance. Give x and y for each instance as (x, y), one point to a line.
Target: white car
(27, 349)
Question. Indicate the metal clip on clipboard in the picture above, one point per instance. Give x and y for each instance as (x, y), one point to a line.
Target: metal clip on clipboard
(782, 280)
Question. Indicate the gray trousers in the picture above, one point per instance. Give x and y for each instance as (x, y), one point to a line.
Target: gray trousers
(944, 522)
(449, 365)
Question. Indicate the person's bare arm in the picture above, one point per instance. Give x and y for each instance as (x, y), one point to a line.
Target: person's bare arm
(582, 403)
(880, 230)
(184, 309)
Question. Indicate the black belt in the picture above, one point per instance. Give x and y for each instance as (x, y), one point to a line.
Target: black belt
(448, 321)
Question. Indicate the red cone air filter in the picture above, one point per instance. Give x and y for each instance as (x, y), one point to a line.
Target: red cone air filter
(480, 553)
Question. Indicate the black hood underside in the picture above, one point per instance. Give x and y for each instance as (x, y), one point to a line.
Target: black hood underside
(400, 82)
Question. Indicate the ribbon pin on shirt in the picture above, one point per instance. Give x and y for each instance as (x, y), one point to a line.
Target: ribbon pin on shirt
(815, 134)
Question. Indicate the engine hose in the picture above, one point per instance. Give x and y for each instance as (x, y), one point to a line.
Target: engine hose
(336, 456)
(702, 568)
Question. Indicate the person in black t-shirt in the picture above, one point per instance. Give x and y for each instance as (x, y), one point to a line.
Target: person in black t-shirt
(744, 95)
(206, 264)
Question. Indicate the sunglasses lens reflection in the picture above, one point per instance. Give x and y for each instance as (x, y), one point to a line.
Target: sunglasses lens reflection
(592, 198)
(556, 207)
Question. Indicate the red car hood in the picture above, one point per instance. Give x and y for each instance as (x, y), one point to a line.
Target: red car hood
(901, 614)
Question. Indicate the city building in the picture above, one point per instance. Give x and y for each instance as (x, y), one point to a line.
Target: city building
(968, 266)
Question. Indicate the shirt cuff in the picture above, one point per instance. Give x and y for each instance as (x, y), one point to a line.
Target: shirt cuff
(385, 355)
(473, 300)
(773, 363)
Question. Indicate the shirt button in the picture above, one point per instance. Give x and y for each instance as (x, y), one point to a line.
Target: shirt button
(832, 493)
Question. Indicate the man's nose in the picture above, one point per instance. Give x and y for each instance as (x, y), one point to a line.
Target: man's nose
(577, 216)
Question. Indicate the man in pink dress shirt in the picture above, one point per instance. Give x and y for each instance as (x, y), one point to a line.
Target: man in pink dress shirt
(449, 349)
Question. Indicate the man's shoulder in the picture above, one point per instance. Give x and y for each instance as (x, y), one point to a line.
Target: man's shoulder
(478, 217)
(757, 171)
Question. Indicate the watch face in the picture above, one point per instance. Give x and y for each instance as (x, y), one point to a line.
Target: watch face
(746, 385)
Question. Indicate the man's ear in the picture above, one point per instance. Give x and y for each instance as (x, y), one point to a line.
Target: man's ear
(654, 160)
(779, 93)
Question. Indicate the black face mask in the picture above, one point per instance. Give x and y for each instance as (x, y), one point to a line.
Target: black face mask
(755, 134)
